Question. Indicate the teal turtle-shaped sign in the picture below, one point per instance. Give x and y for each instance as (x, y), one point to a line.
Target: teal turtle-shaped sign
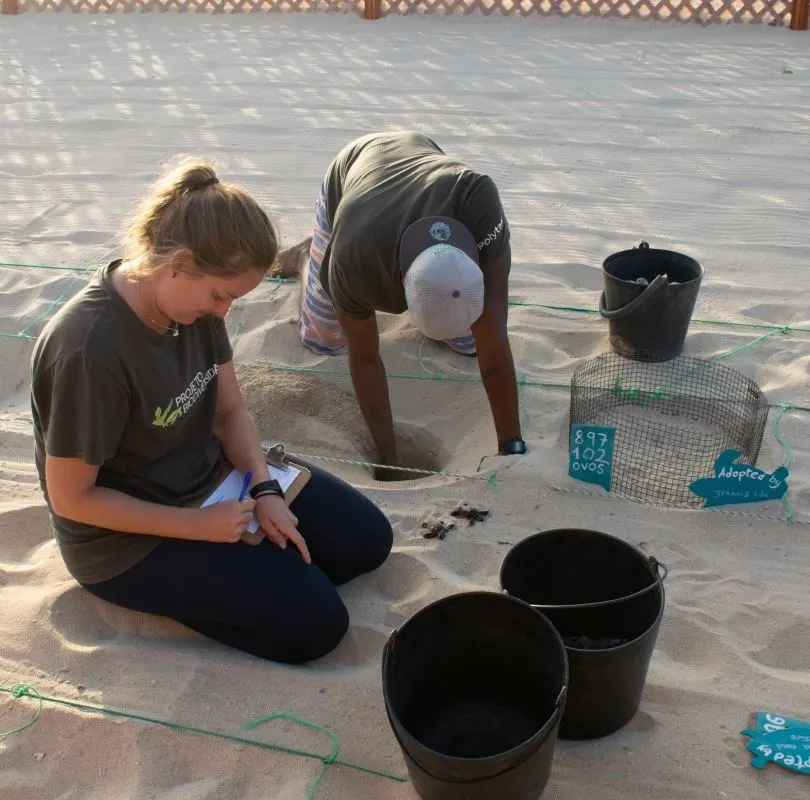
(739, 483)
(780, 740)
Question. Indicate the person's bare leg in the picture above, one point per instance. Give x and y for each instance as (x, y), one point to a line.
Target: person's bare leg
(302, 284)
(290, 261)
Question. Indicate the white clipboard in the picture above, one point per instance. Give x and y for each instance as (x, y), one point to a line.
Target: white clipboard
(291, 477)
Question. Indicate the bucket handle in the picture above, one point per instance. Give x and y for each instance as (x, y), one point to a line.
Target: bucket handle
(659, 568)
(653, 288)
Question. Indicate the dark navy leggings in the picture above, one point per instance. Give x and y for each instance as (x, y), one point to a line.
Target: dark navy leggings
(260, 598)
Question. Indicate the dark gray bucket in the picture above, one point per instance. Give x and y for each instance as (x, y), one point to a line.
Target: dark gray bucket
(649, 320)
(475, 687)
(606, 600)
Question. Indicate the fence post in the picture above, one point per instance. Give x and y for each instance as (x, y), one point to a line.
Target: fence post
(9, 6)
(372, 8)
(798, 16)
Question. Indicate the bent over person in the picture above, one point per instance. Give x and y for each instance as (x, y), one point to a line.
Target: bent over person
(401, 226)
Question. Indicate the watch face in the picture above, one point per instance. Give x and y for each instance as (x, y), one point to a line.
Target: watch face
(515, 447)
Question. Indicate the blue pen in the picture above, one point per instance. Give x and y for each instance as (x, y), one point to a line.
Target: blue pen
(245, 485)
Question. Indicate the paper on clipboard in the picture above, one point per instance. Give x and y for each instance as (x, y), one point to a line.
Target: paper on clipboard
(231, 487)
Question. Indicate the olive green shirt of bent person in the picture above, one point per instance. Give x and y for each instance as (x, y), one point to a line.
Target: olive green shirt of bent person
(375, 188)
(139, 404)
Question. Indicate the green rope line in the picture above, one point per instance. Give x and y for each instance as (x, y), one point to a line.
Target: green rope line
(21, 690)
(636, 395)
(12, 265)
(45, 314)
(433, 376)
(440, 377)
(722, 323)
(489, 478)
(784, 329)
(783, 410)
(24, 333)
(421, 354)
(517, 303)
(326, 761)
(17, 691)
(521, 384)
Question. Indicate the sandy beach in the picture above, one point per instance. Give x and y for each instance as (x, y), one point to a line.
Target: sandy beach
(599, 134)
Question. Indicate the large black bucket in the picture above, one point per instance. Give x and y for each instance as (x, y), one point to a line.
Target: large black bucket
(606, 600)
(474, 688)
(648, 301)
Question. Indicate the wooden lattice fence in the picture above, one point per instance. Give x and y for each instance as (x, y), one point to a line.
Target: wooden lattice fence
(199, 6)
(792, 13)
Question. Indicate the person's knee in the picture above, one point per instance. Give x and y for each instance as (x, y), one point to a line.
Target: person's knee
(381, 541)
(319, 342)
(316, 628)
(375, 538)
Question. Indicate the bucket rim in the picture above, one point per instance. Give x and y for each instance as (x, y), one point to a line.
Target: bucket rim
(654, 251)
(548, 726)
(659, 571)
(488, 593)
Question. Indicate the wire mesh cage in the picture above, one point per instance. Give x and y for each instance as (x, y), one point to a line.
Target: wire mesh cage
(672, 420)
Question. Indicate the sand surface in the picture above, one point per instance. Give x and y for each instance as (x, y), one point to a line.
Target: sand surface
(598, 135)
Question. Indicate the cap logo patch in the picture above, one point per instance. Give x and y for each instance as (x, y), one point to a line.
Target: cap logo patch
(440, 231)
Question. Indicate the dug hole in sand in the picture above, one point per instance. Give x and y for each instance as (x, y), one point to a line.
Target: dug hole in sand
(439, 425)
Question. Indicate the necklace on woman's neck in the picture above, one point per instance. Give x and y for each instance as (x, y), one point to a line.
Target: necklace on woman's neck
(172, 328)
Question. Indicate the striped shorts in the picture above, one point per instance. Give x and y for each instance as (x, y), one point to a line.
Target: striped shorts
(318, 325)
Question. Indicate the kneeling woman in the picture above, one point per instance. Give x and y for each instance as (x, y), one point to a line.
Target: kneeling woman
(137, 411)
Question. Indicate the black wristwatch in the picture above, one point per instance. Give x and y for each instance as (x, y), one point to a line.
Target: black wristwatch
(512, 447)
(267, 487)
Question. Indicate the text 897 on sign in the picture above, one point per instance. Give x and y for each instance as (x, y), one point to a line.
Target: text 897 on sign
(591, 454)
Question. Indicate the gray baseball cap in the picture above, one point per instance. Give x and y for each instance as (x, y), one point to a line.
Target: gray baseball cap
(444, 285)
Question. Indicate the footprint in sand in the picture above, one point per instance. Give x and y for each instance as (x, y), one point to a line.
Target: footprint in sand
(735, 751)
(691, 646)
(577, 276)
(786, 648)
(80, 618)
(32, 528)
(360, 647)
(469, 560)
(403, 577)
(642, 722)
(575, 345)
(558, 350)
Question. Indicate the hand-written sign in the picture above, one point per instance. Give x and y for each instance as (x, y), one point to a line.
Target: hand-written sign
(739, 483)
(782, 740)
(590, 455)
(768, 723)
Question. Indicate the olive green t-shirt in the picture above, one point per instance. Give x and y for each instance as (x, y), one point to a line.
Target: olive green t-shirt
(138, 404)
(375, 188)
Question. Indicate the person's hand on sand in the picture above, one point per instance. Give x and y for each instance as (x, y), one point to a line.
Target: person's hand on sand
(279, 524)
